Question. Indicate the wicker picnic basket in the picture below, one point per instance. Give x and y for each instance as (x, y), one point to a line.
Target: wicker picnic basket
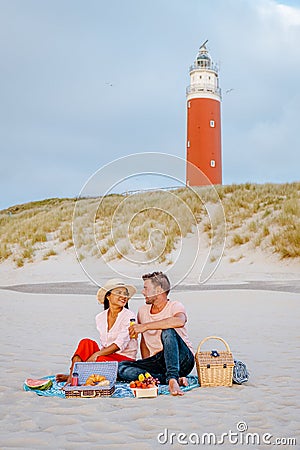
(84, 370)
(215, 368)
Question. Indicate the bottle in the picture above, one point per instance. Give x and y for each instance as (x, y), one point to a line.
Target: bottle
(74, 381)
(132, 322)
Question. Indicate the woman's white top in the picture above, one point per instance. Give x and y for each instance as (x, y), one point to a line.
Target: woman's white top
(118, 334)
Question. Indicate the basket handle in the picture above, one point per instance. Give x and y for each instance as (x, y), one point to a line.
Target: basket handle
(83, 395)
(213, 337)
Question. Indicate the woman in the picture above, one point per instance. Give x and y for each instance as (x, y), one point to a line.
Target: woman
(112, 324)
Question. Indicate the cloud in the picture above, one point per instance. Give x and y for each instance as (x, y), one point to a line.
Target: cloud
(60, 120)
(260, 114)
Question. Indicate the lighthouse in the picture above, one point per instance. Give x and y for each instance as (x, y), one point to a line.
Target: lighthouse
(203, 122)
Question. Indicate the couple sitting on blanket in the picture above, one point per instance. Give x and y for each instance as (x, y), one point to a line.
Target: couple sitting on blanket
(165, 348)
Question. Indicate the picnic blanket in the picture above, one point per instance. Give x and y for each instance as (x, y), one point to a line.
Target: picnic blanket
(122, 389)
(240, 375)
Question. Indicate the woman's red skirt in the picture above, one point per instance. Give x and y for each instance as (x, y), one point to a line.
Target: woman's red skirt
(87, 347)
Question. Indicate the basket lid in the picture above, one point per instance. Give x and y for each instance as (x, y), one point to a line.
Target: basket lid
(107, 369)
(205, 358)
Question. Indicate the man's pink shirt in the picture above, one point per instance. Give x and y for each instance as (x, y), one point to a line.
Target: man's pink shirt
(153, 337)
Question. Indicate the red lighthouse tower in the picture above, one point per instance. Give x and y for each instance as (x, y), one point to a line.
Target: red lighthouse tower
(203, 122)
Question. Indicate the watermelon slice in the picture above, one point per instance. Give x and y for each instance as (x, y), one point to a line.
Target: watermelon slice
(42, 385)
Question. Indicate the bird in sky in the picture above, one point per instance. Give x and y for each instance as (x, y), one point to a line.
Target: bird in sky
(229, 90)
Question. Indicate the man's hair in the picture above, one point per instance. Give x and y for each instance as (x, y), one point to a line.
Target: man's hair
(158, 279)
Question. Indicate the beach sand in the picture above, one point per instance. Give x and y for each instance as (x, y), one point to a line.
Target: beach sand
(40, 332)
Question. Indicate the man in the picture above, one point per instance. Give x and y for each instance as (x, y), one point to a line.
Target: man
(165, 348)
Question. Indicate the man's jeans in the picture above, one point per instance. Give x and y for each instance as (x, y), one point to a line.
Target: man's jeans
(174, 361)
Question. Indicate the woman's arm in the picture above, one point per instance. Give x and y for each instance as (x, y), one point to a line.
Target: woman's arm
(112, 348)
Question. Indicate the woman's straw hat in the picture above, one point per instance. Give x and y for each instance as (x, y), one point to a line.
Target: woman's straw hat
(112, 284)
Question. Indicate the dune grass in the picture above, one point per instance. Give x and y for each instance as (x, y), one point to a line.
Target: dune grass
(25, 228)
(266, 216)
(151, 224)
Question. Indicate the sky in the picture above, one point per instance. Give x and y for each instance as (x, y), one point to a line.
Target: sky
(83, 83)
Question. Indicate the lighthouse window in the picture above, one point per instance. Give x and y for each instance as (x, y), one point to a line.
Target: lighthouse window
(188, 144)
(212, 123)
(212, 163)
